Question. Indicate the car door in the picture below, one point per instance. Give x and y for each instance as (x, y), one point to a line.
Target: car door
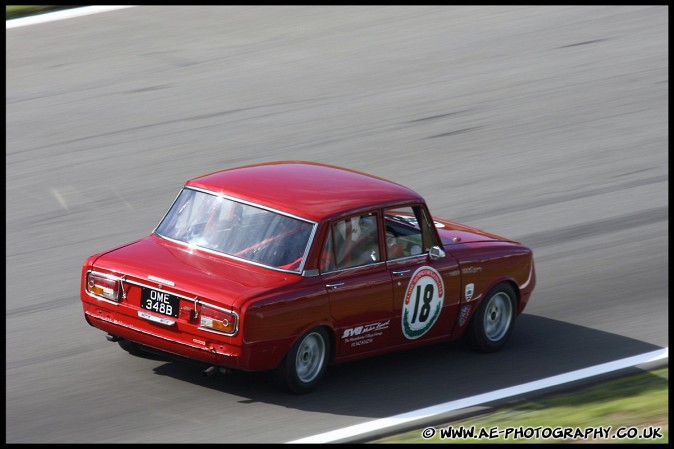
(425, 291)
(358, 285)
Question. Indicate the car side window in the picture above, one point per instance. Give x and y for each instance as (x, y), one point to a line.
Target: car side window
(350, 243)
(408, 232)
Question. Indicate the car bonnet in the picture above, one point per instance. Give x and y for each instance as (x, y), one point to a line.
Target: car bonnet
(452, 232)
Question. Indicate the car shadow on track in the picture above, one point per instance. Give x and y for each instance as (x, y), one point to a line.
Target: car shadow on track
(399, 382)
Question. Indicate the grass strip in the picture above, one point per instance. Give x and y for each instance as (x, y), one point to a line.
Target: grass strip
(634, 406)
(18, 11)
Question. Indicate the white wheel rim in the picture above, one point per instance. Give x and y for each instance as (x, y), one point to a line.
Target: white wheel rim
(497, 317)
(310, 357)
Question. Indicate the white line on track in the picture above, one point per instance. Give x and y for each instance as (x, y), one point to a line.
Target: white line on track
(60, 15)
(428, 412)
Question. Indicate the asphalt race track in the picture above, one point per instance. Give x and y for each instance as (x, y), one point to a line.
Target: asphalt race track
(545, 124)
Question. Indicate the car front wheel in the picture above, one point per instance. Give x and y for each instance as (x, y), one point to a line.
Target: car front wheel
(493, 321)
(306, 362)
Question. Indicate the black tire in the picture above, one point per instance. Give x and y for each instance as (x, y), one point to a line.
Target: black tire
(306, 362)
(494, 319)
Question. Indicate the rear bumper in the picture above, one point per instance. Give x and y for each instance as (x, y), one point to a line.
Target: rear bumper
(184, 338)
(209, 352)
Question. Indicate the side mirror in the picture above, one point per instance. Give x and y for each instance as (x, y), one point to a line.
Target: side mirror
(436, 253)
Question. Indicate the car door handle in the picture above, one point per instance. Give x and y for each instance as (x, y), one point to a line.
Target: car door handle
(400, 273)
(333, 286)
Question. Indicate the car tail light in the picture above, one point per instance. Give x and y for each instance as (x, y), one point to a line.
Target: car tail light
(103, 286)
(218, 320)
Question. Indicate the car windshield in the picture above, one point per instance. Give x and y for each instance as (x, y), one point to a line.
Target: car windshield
(237, 229)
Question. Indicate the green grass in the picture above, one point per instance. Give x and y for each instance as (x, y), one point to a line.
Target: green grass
(637, 401)
(16, 11)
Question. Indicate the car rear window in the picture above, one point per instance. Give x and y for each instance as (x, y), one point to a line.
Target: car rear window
(237, 229)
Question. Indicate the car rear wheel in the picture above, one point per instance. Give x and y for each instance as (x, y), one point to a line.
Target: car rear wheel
(493, 321)
(306, 362)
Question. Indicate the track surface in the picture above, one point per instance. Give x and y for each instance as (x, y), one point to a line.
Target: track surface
(545, 124)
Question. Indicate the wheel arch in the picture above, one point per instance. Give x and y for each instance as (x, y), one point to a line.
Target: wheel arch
(500, 281)
(329, 330)
(475, 332)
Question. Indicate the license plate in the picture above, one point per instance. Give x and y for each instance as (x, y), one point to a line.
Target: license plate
(160, 302)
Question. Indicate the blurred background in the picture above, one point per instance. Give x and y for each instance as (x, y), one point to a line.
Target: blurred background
(546, 124)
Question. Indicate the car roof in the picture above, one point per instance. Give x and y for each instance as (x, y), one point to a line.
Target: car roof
(307, 189)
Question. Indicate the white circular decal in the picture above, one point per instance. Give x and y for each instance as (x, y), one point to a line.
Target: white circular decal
(423, 302)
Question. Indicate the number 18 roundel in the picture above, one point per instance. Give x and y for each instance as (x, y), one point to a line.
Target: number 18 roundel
(423, 302)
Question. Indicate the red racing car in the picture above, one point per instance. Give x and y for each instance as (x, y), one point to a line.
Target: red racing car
(292, 266)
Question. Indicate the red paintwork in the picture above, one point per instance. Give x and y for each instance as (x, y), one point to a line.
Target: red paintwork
(276, 307)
